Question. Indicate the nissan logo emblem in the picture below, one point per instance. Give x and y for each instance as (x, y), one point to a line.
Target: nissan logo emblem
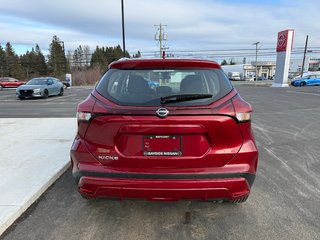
(162, 112)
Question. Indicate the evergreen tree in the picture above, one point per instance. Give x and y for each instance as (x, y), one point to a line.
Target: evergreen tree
(57, 58)
(2, 61)
(41, 66)
(98, 59)
(244, 60)
(12, 63)
(137, 55)
(33, 63)
(103, 56)
(224, 62)
(27, 63)
(232, 62)
(114, 53)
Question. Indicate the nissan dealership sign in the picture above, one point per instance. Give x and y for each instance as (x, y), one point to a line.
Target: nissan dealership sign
(284, 47)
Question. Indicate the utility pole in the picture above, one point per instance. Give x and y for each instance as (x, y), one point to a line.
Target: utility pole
(304, 55)
(123, 34)
(256, 43)
(160, 36)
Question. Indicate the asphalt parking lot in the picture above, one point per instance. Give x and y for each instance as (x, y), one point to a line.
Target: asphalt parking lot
(55, 106)
(285, 199)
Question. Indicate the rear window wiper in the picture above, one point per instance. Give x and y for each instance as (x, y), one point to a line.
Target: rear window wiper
(183, 97)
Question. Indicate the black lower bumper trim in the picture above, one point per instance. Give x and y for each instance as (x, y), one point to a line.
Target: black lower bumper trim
(248, 176)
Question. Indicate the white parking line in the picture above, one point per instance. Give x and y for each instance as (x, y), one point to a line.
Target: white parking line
(314, 94)
(21, 113)
(60, 98)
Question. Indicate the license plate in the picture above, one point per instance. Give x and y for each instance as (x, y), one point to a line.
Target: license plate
(162, 145)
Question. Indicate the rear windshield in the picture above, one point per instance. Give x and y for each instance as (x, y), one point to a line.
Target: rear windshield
(146, 87)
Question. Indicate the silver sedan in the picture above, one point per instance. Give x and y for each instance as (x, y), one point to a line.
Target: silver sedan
(40, 87)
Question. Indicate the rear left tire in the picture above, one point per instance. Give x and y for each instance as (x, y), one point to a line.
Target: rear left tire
(302, 84)
(86, 197)
(61, 92)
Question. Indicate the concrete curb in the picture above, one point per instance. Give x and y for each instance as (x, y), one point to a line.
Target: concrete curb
(265, 83)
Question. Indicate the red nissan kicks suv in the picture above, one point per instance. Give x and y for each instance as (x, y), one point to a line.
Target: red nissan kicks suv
(164, 129)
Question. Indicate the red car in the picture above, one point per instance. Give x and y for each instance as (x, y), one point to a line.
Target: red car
(8, 82)
(189, 137)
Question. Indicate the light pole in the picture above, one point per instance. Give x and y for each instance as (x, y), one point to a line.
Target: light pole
(64, 57)
(123, 36)
(256, 43)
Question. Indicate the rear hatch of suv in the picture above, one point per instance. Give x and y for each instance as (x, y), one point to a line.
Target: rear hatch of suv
(164, 118)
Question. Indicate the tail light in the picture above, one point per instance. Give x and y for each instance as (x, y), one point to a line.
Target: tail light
(237, 108)
(243, 116)
(86, 111)
(242, 109)
(84, 115)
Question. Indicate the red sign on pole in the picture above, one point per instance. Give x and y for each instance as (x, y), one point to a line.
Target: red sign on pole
(282, 41)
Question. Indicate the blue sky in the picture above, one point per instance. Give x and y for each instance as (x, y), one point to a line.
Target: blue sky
(191, 24)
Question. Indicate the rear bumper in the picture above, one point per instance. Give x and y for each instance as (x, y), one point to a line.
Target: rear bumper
(173, 187)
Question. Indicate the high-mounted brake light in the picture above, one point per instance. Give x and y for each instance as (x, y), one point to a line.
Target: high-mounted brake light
(84, 116)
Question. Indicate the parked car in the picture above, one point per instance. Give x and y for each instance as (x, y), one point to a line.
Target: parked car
(153, 84)
(190, 138)
(234, 76)
(40, 87)
(9, 82)
(310, 80)
(65, 83)
(262, 78)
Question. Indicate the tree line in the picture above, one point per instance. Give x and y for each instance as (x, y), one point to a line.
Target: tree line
(58, 62)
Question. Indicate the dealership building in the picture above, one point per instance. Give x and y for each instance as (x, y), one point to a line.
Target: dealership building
(267, 69)
(311, 64)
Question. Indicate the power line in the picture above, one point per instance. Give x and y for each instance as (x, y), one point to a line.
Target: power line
(227, 50)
